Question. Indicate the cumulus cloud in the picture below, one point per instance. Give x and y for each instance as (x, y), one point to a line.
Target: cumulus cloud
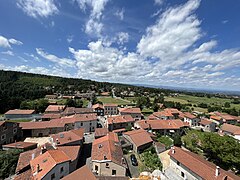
(122, 37)
(158, 2)
(60, 61)
(6, 43)
(10, 53)
(38, 8)
(93, 25)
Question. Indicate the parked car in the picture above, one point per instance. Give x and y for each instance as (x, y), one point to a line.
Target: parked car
(133, 160)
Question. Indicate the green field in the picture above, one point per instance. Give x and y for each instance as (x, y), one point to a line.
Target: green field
(20, 120)
(112, 100)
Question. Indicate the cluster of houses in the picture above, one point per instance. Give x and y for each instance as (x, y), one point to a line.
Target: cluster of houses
(65, 129)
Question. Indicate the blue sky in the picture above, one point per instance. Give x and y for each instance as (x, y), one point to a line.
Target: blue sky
(176, 43)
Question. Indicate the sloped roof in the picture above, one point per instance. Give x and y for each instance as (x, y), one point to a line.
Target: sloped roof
(167, 124)
(235, 130)
(189, 115)
(106, 148)
(20, 145)
(130, 110)
(199, 166)
(83, 172)
(47, 161)
(120, 119)
(139, 137)
(20, 111)
(97, 106)
(101, 132)
(68, 136)
(55, 108)
(205, 122)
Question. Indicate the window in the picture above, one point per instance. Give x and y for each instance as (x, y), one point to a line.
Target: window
(114, 172)
(107, 165)
(182, 174)
(90, 123)
(61, 169)
(81, 124)
(178, 163)
(96, 168)
(53, 176)
(3, 137)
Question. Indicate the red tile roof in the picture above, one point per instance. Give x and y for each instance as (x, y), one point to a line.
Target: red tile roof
(47, 161)
(200, 166)
(139, 137)
(205, 122)
(67, 137)
(143, 124)
(101, 132)
(106, 148)
(20, 111)
(110, 105)
(235, 130)
(55, 108)
(97, 106)
(41, 124)
(20, 145)
(26, 175)
(51, 116)
(120, 119)
(130, 110)
(217, 118)
(82, 172)
(189, 115)
(166, 124)
(71, 151)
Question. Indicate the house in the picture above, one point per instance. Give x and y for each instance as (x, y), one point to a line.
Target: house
(23, 169)
(68, 138)
(9, 132)
(100, 132)
(216, 119)
(19, 114)
(86, 121)
(164, 127)
(41, 128)
(72, 110)
(98, 108)
(140, 139)
(166, 114)
(54, 109)
(51, 96)
(23, 146)
(191, 119)
(53, 164)
(110, 109)
(119, 122)
(207, 125)
(134, 112)
(107, 156)
(83, 172)
(230, 130)
(187, 165)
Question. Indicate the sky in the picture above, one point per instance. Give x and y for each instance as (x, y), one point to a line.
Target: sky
(178, 43)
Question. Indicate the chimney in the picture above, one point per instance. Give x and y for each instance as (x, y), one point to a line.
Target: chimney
(41, 150)
(217, 172)
(173, 150)
(33, 156)
(38, 168)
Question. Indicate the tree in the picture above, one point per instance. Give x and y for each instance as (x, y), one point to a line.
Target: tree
(177, 140)
(227, 105)
(70, 103)
(155, 107)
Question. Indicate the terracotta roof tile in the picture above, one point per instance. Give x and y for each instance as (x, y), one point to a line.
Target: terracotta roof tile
(198, 165)
(97, 106)
(130, 110)
(167, 124)
(205, 122)
(106, 148)
(47, 161)
(67, 137)
(55, 108)
(139, 137)
(20, 145)
(110, 105)
(189, 115)
(20, 111)
(101, 132)
(120, 119)
(82, 172)
(235, 130)
(71, 151)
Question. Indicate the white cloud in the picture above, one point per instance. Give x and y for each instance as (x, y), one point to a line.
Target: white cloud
(120, 14)
(60, 61)
(14, 41)
(69, 38)
(93, 25)
(224, 21)
(6, 43)
(32, 56)
(10, 53)
(158, 2)
(122, 37)
(38, 8)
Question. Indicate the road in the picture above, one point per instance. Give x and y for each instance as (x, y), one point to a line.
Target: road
(133, 169)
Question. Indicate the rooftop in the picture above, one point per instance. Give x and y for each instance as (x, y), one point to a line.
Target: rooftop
(101, 132)
(199, 166)
(139, 137)
(120, 119)
(20, 145)
(163, 124)
(235, 130)
(20, 111)
(130, 110)
(83, 172)
(55, 108)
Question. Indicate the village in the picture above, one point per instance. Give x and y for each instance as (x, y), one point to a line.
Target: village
(110, 141)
